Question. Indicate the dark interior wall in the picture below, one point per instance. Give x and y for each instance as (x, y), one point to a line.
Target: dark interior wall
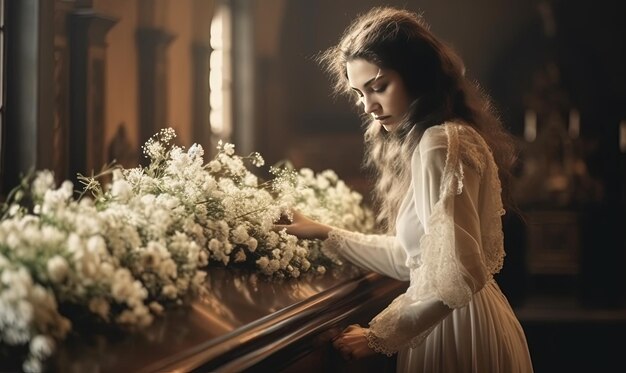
(325, 132)
(501, 42)
(478, 30)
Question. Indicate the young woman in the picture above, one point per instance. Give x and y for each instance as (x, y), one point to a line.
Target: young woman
(440, 154)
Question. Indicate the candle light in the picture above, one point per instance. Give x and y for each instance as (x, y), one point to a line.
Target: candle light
(530, 125)
(574, 123)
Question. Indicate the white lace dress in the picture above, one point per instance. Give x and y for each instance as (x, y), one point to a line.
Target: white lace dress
(449, 244)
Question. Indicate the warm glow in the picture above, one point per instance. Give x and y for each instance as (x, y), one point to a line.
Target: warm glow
(219, 74)
(530, 125)
(622, 136)
(574, 123)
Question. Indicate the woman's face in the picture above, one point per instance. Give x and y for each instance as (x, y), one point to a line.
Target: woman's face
(381, 91)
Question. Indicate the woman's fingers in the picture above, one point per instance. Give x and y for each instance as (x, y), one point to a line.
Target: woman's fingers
(284, 220)
(344, 349)
(352, 327)
(352, 343)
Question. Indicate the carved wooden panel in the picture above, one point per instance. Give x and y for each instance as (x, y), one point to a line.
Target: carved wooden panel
(554, 242)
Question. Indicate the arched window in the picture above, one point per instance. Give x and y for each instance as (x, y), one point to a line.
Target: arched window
(220, 74)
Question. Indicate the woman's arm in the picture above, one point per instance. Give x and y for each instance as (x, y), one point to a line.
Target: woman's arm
(302, 226)
(378, 253)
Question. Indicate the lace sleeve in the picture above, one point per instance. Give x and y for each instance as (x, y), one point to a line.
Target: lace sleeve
(460, 203)
(378, 253)
(462, 245)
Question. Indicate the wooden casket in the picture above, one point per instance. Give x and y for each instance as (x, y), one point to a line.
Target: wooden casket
(245, 323)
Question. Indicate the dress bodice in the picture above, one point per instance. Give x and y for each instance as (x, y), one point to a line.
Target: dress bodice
(409, 229)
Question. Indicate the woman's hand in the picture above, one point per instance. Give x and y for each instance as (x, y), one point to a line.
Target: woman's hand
(352, 343)
(304, 227)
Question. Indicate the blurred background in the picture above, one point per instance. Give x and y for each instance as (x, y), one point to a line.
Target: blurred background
(85, 82)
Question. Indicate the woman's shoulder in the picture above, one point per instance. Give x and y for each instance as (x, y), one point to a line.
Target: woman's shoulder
(434, 137)
(442, 135)
(458, 138)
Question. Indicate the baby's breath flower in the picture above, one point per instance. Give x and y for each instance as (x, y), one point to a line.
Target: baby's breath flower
(57, 268)
(144, 238)
(257, 159)
(240, 256)
(42, 183)
(252, 244)
(229, 149)
(100, 307)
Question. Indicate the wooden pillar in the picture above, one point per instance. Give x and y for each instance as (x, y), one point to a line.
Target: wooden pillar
(88, 30)
(59, 157)
(152, 46)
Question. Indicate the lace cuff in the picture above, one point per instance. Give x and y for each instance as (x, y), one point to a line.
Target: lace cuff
(391, 331)
(332, 245)
(378, 345)
(338, 239)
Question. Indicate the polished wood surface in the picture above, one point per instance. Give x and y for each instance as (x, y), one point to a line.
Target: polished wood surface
(246, 322)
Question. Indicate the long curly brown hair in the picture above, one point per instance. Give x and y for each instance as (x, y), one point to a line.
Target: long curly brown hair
(434, 75)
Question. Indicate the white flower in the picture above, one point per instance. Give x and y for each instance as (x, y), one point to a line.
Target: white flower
(147, 234)
(41, 346)
(32, 365)
(74, 243)
(229, 149)
(195, 151)
(169, 291)
(168, 269)
(214, 244)
(330, 175)
(4, 262)
(252, 244)
(15, 208)
(100, 307)
(250, 180)
(306, 265)
(272, 238)
(156, 308)
(263, 262)
(307, 173)
(96, 245)
(322, 182)
(57, 268)
(240, 256)
(42, 183)
(257, 159)
(240, 234)
(121, 189)
(274, 265)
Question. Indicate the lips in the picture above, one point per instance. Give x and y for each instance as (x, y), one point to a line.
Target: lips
(382, 118)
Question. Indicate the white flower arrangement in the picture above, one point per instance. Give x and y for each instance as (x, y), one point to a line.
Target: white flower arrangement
(122, 252)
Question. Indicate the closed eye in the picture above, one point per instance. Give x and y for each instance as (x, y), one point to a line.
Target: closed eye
(357, 92)
(379, 89)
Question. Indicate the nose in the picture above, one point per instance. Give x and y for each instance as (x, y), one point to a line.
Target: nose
(370, 104)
